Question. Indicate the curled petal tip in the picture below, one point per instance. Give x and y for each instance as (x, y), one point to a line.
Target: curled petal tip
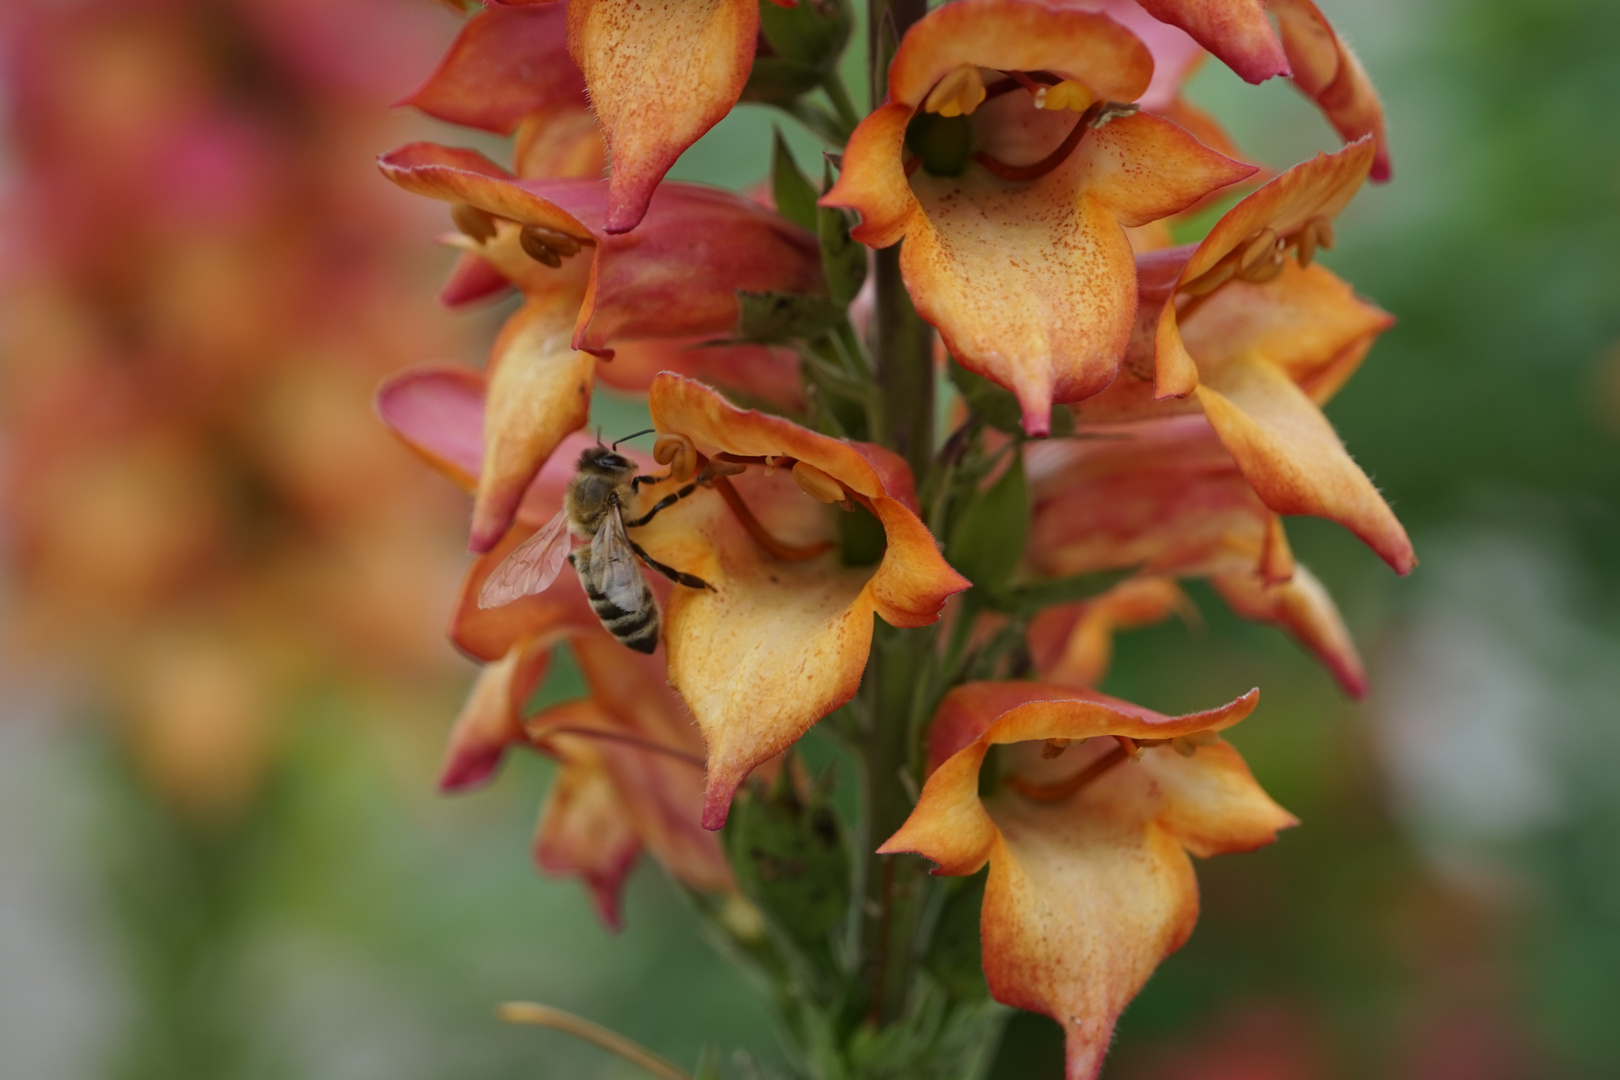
(717, 806)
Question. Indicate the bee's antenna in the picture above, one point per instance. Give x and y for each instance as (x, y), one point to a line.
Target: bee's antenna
(637, 435)
(598, 434)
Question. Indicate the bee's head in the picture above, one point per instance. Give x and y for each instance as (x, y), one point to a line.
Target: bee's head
(601, 459)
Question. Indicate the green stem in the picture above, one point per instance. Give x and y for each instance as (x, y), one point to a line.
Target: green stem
(838, 94)
(892, 890)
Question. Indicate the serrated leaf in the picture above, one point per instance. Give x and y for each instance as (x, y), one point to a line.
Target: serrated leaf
(792, 859)
(795, 198)
(843, 260)
(988, 540)
(778, 318)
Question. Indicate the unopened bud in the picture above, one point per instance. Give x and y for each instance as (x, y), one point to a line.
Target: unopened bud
(476, 223)
(678, 452)
(817, 484)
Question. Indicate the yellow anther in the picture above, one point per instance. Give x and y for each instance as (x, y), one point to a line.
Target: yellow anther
(678, 452)
(1210, 280)
(1305, 244)
(957, 94)
(549, 246)
(1055, 747)
(476, 223)
(1263, 271)
(1068, 94)
(817, 484)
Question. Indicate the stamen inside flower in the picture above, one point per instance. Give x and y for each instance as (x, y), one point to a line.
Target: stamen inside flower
(817, 484)
(957, 94)
(1096, 115)
(1257, 260)
(1065, 788)
(476, 223)
(1068, 94)
(677, 452)
(549, 246)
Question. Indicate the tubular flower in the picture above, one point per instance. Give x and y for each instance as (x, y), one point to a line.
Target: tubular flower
(632, 766)
(676, 279)
(1014, 208)
(1303, 45)
(1090, 885)
(1165, 496)
(782, 638)
(659, 75)
(1259, 349)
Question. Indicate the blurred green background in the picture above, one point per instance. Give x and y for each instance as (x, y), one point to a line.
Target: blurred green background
(1449, 910)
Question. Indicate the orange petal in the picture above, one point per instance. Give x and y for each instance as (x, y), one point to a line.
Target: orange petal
(873, 178)
(471, 280)
(1236, 31)
(1316, 189)
(1020, 35)
(659, 76)
(1164, 495)
(778, 645)
(1086, 893)
(507, 63)
(442, 172)
(488, 633)
(1294, 459)
(662, 794)
(492, 718)
(438, 412)
(539, 391)
(1302, 606)
(1033, 284)
(1305, 321)
(1329, 74)
(585, 830)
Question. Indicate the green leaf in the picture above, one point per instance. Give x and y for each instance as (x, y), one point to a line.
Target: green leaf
(843, 260)
(795, 198)
(987, 541)
(791, 857)
(812, 32)
(778, 318)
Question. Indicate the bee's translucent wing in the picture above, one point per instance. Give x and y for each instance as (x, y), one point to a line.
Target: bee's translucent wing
(532, 566)
(613, 564)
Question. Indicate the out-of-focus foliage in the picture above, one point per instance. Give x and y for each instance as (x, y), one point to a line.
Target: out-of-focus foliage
(199, 288)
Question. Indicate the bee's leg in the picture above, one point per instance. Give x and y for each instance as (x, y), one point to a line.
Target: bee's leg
(667, 501)
(691, 581)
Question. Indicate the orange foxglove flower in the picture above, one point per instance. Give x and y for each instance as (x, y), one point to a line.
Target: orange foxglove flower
(632, 764)
(1087, 818)
(1165, 496)
(782, 638)
(1013, 193)
(1259, 344)
(677, 278)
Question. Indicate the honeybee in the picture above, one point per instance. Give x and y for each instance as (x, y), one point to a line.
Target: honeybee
(603, 483)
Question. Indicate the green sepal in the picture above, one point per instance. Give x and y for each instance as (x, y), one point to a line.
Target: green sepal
(986, 542)
(795, 197)
(843, 260)
(944, 143)
(772, 318)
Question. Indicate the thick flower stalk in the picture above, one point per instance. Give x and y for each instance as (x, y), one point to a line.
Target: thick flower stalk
(800, 554)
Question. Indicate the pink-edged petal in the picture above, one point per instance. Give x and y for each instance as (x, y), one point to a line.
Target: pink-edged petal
(507, 63)
(438, 412)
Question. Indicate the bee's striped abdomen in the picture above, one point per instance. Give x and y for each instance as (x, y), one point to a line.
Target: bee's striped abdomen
(637, 628)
